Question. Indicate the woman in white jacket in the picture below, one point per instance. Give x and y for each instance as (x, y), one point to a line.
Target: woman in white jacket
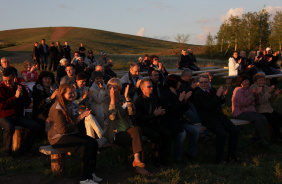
(234, 64)
(98, 95)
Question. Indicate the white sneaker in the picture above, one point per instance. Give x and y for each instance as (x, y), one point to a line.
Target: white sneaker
(87, 181)
(96, 178)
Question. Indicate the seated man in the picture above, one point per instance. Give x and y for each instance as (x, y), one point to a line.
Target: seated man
(133, 79)
(13, 99)
(91, 61)
(5, 62)
(158, 87)
(70, 77)
(148, 113)
(192, 61)
(208, 106)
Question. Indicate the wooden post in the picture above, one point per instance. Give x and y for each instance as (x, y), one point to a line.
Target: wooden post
(57, 163)
(18, 137)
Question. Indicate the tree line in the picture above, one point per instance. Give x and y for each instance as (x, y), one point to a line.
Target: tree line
(253, 31)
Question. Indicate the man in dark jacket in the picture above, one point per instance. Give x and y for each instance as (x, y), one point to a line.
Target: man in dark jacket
(192, 61)
(53, 54)
(133, 79)
(36, 55)
(67, 51)
(43, 49)
(148, 113)
(158, 87)
(13, 99)
(208, 105)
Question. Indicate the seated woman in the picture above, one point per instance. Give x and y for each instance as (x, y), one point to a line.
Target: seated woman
(175, 106)
(29, 74)
(155, 64)
(44, 93)
(99, 91)
(118, 127)
(243, 107)
(263, 105)
(64, 135)
(81, 98)
(61, 71)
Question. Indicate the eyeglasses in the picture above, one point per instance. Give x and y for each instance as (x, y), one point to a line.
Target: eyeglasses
(204, 82)
(149, 86)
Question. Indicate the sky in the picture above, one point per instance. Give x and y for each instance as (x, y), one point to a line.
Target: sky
(155, 19)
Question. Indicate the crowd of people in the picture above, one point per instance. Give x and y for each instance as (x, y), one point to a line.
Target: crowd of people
(86, 106)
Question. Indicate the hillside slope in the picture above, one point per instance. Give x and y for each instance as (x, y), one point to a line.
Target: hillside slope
(97, 40)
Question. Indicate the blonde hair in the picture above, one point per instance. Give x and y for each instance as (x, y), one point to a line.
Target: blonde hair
(114, 82)
(62, 101)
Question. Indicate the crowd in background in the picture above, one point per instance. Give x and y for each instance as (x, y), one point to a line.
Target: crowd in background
(85, 106)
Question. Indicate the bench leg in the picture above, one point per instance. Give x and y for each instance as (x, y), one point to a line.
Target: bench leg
(17, 139)
(228, 82)
(57, 163)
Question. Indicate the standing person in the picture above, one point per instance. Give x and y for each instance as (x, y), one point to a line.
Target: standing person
(44, 94)
(43, 48)
(263, 101)
(64, 135)
(148, 117)
(209, 101)
(243, 107)
(192, 61)
(60, 51)
(70, 77)
(118, 127)
(13, 99)
(156, 65)
(133, 79)
(107, 64)
(36, 55)
(53, 54)
(234, 64)
(67, 51)
(82, 51)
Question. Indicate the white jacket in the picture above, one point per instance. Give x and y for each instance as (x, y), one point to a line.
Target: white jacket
(233, 66)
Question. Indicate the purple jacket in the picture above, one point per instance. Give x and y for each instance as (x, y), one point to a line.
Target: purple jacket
(242, 101)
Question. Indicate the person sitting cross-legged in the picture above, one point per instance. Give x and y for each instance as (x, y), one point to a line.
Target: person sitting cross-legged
(13, 99)
(208, 104)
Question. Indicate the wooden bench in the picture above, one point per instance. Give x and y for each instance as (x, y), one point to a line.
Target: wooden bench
(236, 122)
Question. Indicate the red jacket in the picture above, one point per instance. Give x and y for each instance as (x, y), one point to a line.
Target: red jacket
(9, 104)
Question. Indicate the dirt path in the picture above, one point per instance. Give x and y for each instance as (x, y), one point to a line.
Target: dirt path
(59, 32)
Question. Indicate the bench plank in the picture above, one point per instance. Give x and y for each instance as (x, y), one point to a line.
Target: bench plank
(49, 150)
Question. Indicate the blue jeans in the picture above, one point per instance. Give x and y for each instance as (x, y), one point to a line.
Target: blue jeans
(192, 147)
(44, 61)
(192, 114)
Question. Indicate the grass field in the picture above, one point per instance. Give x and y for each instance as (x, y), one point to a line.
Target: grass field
(259, 165)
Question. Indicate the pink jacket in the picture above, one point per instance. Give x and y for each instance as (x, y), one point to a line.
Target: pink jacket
(242, 101)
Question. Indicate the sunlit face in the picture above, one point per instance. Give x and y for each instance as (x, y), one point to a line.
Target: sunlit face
(70, 71)
(204, 83)
(98, 80)
(81, 83)
(42, 42)
(245, 84)
(81, 44)
(46, 81)
(155, 61)
(5, 63)
(155, 76)
(65, 63)
(8, 81)
(28, 67)
(116, 89)
(66, 43)
(36, 44)
(184, 53)
(147, 88)
(235, 55)
(99, 68)
(260, 82)
(76, 55)
(69, 94)
(134, 71)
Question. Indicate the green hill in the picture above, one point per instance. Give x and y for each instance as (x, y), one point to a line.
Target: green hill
(97, 40)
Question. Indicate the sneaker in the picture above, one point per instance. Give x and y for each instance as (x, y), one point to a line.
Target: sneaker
(87, 181)
(96, 178)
